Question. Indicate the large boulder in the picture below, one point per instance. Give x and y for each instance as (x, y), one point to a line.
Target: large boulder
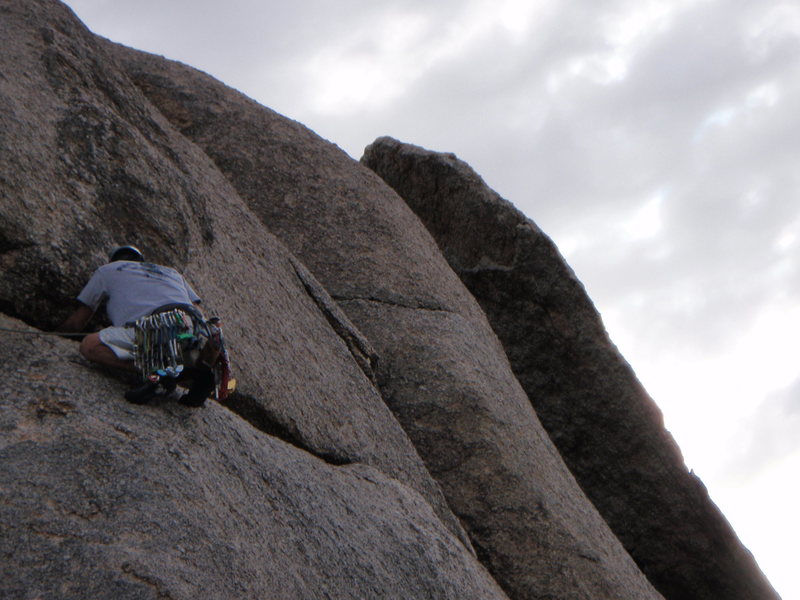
(606, 427)
(440, 368)
(101, 499)
(94, 164)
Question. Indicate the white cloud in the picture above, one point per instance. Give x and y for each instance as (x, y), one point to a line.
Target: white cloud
(380, 59)
(763, 515)
(368, 68)
(646, 222)
(787, 239)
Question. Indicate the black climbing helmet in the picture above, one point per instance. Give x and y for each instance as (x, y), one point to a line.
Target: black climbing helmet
(126, 253)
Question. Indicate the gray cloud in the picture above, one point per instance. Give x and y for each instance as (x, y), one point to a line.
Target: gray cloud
(771, 434)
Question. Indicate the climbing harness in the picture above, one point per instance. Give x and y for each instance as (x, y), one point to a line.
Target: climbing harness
(160, 341)
(169, 341)
(172, 339)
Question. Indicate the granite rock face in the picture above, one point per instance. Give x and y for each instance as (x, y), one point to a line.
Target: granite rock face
(606, 427)
(95, 165)
(131, 178)
(379, 444)
(441, 368)
(102, 499)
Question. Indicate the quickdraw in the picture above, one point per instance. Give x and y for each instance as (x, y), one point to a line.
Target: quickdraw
(216, 351)
(167, 342)
(161, 340)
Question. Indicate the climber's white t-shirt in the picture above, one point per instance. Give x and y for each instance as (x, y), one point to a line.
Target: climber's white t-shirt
(135, 289)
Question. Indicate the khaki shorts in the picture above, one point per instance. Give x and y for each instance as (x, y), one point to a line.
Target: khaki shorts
(121, 340)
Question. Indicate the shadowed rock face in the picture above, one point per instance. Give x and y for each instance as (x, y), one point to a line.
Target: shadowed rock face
(604, 424)
(440, 369)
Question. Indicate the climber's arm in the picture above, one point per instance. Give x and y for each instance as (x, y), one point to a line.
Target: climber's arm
(77, 320)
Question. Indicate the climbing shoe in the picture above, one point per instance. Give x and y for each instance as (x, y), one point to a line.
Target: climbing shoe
(149, 390)
(192, 400)
(168, 384)
(202, 386)
(142, 394)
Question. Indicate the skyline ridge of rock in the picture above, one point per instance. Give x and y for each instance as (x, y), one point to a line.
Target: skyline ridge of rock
(442, 370)
(607, 428)
(380, 443)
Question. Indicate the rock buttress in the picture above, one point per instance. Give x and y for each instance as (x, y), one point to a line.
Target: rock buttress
(441, 369)
(95, 165)
(606, 427)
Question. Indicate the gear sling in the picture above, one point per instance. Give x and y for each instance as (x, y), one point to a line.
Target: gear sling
(175, 342)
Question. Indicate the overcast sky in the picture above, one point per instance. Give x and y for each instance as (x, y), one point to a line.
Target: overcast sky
(655, 141)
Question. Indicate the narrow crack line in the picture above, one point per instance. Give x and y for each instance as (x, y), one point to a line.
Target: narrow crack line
(7, 246)
(357, 344)
(496, 268)
(249, 409)
(53, 535)
(130, 570)
(387, 302)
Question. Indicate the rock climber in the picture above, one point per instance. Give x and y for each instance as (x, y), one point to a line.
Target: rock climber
(133, 289)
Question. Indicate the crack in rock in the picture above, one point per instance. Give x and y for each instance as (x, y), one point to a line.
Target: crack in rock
(395, 303)
(251, 410)
(358, 345)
